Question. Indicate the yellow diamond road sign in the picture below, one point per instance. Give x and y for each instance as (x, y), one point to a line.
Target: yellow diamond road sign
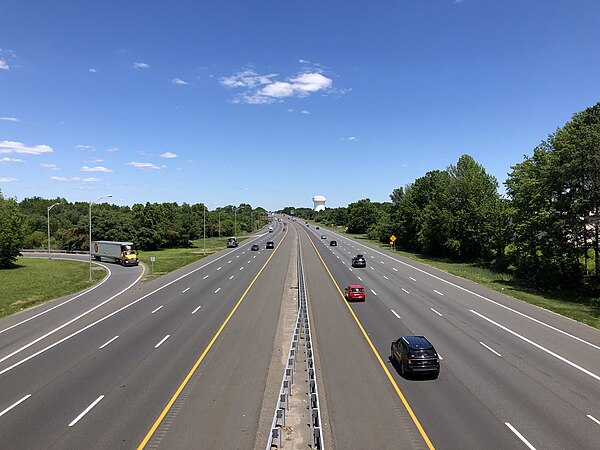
(392, 238)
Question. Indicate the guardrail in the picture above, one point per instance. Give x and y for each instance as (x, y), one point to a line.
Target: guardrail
(301, 341)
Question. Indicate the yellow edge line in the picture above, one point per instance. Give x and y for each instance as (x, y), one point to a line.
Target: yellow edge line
(377, 355)
(203, 355)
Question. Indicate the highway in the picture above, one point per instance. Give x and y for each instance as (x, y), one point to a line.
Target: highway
(187, 360)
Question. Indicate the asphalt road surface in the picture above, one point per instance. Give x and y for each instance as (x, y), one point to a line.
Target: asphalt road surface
(183, 361)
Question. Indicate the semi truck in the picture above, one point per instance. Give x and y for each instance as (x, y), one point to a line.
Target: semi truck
(123, 253)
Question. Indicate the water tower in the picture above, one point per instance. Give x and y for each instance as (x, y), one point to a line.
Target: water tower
(319, 201)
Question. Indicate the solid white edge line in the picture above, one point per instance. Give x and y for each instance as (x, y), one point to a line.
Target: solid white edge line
(85, 313)
(439, 314)
(185, 290)
(437, 292)
(375, 293)
(583, 341)
(395, 313)
(196, 310)
(14, 405)
(550, 352)
(162, 341)
(519, 435)
(405, 291)
(102, 319)
(86, 410)
(589, 416)
(490, 349)
(108, 342)
(157, 309)
(218, 289)
(66, 301)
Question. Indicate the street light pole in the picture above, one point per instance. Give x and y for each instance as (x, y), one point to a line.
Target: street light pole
(235, 223)
(90, 241)
(204, 224)
(49, 208)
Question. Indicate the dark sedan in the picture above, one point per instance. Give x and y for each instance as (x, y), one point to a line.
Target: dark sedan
(415, 354)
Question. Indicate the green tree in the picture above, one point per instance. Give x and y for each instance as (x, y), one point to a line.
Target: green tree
(11, 231)
(361, 215)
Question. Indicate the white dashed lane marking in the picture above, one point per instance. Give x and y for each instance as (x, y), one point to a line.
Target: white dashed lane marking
(396, 314)
(194, 311)
(439, 314)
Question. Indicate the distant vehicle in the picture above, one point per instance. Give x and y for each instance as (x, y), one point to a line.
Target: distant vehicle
(333, 243)
(255, 247)
(359, 261)
(270, 245)
(323, 236)
(317, 228)
(270, 229)
(307, 225)
(232, 242)
(355, 292)
(415, 354)
(123, 253)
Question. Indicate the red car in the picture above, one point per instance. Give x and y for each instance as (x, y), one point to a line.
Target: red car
(355, 292)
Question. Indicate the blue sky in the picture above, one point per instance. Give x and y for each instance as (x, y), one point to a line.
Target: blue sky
(272, 102)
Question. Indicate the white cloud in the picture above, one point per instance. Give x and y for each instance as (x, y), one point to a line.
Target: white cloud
(94, 160)
(95, 169)
(140, 65)
(9, 119)
(112, 149)
(7, 180)
(246, 78)
(19, 147)
(349, 138)
(3, 64)
(263, 89)
(145, 165)
(290, 110)
(179, 81)
(49, 166)
(79, 179)
(85, 147)
(11, 160)
(92, 70)
(303, 61)
(305, 111)
(168, 155)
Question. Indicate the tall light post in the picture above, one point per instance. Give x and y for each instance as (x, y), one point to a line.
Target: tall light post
(49, 208)
(204, 226)
(234, 222)
(91, 203)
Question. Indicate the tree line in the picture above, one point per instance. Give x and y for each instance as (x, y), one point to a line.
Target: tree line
(151, 226)
(545, 230)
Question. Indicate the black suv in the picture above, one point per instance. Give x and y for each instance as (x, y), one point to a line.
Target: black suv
(415, 354)
(359, 261)
(255, 247)
(333, 243)
(270, 244)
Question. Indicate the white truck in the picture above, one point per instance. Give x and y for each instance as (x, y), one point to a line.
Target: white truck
(123, 253)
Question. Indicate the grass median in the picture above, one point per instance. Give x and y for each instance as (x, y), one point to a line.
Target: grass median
(577, 306)
(170, 259)
(34, 280)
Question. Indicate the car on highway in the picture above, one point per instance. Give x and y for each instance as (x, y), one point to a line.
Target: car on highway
(359, 261)
(354, 292)
(323, 236)
(255, 247)
(316, 228)
(415, 354)
(333, 243)
(270, 245)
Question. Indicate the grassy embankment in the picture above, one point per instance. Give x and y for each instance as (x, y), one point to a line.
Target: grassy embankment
(579, 307)
(35, 280)
(170, 259)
